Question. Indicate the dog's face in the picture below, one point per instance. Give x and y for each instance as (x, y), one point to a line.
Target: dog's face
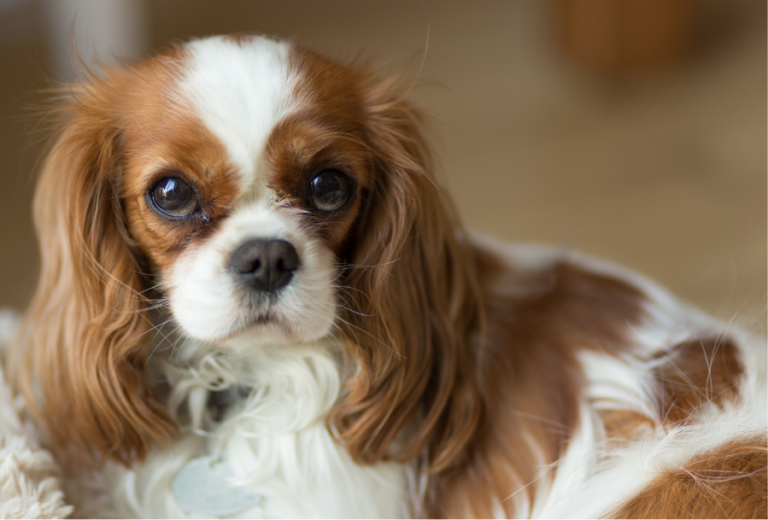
(243, 182)
(258, 194)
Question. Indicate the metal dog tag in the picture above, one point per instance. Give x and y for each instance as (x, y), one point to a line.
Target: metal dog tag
(203, 486)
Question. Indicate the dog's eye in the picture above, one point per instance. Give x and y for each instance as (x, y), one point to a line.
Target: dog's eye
(174, 197)
(330, 190)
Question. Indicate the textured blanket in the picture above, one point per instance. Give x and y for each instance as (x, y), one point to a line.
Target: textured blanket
(29, 483)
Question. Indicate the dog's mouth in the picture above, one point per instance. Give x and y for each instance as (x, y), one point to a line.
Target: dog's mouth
(264, 319)
(253, 324)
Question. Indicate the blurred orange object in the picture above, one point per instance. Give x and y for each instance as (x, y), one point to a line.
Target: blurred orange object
(615, 38)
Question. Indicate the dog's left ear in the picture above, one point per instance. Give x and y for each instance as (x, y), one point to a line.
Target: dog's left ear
(85, 336)
(414, 301)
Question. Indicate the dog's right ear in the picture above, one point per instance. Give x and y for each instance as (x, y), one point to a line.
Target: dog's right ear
(84, 342)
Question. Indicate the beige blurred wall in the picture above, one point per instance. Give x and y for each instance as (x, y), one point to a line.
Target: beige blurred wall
(663, 171)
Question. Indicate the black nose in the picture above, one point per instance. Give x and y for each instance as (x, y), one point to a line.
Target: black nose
(265, 265)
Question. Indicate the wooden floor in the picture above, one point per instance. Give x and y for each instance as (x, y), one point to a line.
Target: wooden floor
(665, 173)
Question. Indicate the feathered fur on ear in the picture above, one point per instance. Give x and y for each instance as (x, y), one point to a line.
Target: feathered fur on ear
(85, 336)
(415, 301)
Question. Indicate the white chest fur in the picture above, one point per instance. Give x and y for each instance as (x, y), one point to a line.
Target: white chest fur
(274, 440)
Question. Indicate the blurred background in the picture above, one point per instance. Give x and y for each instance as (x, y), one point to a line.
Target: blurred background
(634, 130)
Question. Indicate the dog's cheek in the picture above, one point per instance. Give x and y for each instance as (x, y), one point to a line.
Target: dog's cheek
(201, 294)
(311, 304)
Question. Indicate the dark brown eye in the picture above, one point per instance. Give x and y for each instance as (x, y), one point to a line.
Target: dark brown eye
(174, 197)
(330, 190)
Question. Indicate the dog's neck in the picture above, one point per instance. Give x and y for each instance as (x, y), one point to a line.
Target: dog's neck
(270, 429)
(288, 386)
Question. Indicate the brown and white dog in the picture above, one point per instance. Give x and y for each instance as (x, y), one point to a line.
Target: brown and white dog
(246, 259)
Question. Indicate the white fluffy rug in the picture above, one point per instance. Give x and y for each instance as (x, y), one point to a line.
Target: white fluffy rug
(29, 484)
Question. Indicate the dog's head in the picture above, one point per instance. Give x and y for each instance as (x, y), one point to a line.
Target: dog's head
(258, 195)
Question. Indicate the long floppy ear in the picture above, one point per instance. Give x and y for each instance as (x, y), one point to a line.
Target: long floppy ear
(85, 336)
(414, 298)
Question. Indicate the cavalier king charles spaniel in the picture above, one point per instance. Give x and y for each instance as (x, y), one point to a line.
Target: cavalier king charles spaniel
(257, 301)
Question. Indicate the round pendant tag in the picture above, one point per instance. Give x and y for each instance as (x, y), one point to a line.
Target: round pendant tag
(203, 486)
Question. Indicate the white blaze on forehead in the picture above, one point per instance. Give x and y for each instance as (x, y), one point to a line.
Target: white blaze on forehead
(240, 91)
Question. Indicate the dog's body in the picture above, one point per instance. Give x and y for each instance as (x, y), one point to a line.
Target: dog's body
(321, 324)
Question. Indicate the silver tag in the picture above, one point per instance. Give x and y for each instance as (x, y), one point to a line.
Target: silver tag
(203, 486)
